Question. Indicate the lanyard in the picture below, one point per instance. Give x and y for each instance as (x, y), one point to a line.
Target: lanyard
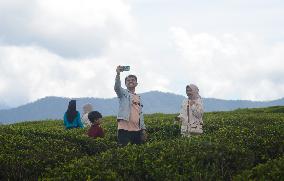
(188, 111)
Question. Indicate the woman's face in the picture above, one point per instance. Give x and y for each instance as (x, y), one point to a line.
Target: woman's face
(189, 92)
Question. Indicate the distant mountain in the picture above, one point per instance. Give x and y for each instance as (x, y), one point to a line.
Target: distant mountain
(212, 104)
(154, 102)
(3, 106)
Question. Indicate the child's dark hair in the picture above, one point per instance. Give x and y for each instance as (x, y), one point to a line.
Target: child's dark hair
(133, 76)
(94, 116)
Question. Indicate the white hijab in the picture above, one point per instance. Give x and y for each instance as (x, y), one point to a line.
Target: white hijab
(87, 108)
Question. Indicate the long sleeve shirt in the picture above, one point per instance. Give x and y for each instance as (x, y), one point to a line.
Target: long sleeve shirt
(96, 131)
(76, 123)
(194, 116)
(125, 101)
(85, 120)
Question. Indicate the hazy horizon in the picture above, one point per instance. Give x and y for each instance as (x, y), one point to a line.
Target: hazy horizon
(9, 107)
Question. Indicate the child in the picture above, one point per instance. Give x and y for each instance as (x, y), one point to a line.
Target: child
(95, 130)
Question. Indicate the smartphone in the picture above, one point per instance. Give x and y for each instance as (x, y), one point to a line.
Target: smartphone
(125, 68)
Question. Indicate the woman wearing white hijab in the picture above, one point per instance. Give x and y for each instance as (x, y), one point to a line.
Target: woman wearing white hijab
(86, 109)
(191, 112)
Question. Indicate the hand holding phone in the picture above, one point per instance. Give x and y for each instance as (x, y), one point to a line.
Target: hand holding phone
(125, 68)
(122, 68)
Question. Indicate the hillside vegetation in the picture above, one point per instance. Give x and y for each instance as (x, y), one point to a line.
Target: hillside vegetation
(246, 144)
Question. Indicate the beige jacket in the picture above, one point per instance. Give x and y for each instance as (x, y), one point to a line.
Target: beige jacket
(195, 115)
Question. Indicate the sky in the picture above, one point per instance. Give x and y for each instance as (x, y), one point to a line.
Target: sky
(70, 48)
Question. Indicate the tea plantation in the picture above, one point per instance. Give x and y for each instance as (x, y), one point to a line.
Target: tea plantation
(246, 144)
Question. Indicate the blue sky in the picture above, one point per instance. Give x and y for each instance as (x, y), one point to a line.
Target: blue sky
(229, 49)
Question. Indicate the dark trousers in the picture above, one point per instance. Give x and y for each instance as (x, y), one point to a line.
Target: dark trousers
(125, 137)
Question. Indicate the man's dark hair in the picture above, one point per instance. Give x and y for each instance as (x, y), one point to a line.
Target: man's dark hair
(94, 116)
(133, 76)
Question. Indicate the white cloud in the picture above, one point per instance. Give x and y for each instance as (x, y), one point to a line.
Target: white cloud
(71, 48)
(231, 66)
(69, 28)
(31, 72)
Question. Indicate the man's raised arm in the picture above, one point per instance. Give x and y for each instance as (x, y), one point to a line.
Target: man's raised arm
(117, 86)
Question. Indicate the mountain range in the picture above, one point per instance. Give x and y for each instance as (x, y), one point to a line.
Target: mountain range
(154, 102)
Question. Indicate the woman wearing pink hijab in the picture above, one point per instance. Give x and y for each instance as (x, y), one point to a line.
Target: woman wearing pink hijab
(191, 112)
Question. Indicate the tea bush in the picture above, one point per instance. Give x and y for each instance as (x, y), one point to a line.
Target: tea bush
(236, 144)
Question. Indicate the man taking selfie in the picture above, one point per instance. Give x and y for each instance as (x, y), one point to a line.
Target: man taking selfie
(130, 118)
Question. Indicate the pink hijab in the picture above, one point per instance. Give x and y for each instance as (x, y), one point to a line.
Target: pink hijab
(195, 91)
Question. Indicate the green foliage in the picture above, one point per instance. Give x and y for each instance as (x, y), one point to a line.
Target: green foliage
(271, 170)
(31, 148)
(238, 144)
(273, 109)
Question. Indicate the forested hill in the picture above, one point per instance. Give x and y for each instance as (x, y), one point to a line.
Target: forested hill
(154, 102)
